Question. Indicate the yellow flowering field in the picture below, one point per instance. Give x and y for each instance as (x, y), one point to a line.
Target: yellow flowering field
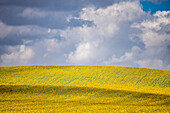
(84, 89)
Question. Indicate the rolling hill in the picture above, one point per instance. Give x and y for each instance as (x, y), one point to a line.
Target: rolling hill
(84, 89)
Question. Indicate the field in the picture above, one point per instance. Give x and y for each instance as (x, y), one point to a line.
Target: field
(84, 89)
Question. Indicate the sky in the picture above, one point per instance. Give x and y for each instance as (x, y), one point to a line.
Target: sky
(85, 32)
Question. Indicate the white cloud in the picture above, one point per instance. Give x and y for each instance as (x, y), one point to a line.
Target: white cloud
(123, 11)
(85, 53)
(108, 24)
(26, 30)
(156, 40)
(4, 30)
(126, 58)
(9, 30)
(97, 44)
(53, 45)
(122, 34)
(36, 13)
(32, 13)
(150, 30)
(19, 55)
(157, 63)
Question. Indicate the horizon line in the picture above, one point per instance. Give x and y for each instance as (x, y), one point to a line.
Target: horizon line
(83, 65)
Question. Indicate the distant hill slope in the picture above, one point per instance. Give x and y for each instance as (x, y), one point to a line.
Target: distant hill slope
(110, 77)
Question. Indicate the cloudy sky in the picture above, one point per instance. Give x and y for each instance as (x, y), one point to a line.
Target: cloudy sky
(89, 32)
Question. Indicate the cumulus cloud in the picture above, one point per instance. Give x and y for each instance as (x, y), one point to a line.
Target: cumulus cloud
(125, 59)
(50, 51)
(84, 54)
(154, 34)
(14, 40)
(53, 45)
(6, 30)
(19, 55)
(150, 30)
(113, 29)
(119, 34)
(19, 32)
(150, 63)
(111, 24)
(3, 30)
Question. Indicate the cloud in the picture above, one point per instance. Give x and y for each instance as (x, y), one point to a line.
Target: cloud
(19, 55)
(111, 24)
(155, 32)
(122, 34)
(59, 5)
(36, 16)
(32, 13)
(125, 59)
(14, 39)
(150, 63)
(50, 51)
(13, 34)
(114, 34)
(38, 13)
(84, 54)
(53, 45)
(7, 30)
(4, 30)
(155, 36)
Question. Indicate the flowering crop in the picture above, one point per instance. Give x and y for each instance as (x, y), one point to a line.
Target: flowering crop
(84, 89)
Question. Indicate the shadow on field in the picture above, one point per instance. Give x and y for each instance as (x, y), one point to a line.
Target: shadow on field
(79, 95)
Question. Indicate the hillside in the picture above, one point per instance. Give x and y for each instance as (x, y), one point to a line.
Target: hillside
(84, 88)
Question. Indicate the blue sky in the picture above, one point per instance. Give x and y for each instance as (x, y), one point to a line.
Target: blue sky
(87, 32)
(154, 6)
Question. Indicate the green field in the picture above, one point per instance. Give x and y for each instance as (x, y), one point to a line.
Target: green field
(84, 89)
